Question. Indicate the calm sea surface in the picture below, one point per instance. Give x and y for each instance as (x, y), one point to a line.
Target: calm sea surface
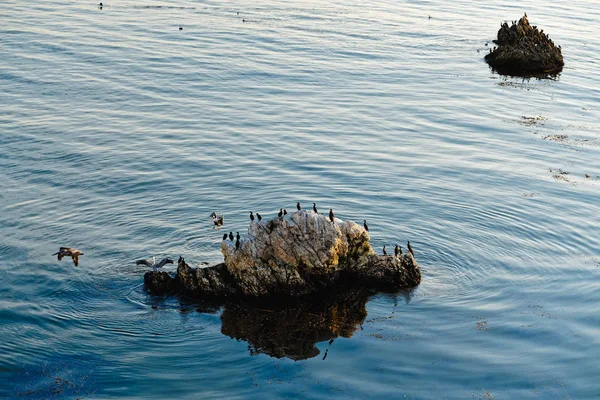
(120, 134)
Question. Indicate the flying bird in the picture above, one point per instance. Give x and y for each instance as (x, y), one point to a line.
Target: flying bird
(152, 263)
(69, 252)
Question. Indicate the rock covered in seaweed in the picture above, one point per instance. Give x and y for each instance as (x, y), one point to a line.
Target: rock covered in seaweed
(523, 50)
(159, 282)
(295, 255)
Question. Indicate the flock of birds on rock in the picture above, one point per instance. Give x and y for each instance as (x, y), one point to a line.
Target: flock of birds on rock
(218, 221)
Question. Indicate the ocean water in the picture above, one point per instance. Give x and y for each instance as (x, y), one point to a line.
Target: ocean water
(120, 134)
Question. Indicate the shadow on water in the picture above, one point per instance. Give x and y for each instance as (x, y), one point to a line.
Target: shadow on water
(293, 328)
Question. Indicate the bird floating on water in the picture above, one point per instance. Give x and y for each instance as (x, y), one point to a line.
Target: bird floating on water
(365, 225)
(217, 220)
(410, 248)
(152, 263)
(331, 215)
(180, 28)
(69, 252)
(315, 208)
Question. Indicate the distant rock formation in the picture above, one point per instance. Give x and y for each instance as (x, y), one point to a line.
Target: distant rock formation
(523, 50)
(291, 256)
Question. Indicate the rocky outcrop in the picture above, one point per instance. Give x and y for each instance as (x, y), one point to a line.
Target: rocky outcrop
(159, 282)
(523, 50)
(296, 255)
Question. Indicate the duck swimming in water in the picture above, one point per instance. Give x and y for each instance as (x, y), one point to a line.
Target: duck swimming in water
(69, 252)
(217, 220)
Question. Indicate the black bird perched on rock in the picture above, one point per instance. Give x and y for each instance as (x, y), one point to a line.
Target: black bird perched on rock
(237, 236)
(410, 248)
(230, 235)
(315, 208)
(258, 216)
(397, 250)
(225, 237)
(384, 252)
(251, 216)
(298, 206)
(280, 213)
(331, 215)
(284, 211)
(365, 225)
(237, 244)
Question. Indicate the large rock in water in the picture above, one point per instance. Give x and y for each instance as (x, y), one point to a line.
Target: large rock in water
(523, 50)
(296, 255)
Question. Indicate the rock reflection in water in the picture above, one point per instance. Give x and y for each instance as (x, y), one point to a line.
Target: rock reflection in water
(293, 330)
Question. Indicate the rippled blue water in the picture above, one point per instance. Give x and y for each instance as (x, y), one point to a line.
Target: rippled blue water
(119, 134)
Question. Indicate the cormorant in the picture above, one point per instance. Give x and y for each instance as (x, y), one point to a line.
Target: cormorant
(284, 211)
(237, 244)
(251, 216)
(331, 215)
(237, 236)
(384, 252)
(225, 237)
(298, 206)
(397, 250)
(180, 28)
(155, 266)
(258, 216)
(365, 225)
(69, 252)
(230, 235)
(410, 248)
(280, 213)
(315, 208)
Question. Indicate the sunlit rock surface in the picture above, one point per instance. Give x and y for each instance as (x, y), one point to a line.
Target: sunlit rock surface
(523, 50)
(295, 255)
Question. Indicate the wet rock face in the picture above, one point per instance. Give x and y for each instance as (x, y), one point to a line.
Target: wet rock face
(523, 50)
(159, 282)
(295, 255)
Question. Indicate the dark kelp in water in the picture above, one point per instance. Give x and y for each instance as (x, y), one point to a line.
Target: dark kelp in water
(523, 50)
